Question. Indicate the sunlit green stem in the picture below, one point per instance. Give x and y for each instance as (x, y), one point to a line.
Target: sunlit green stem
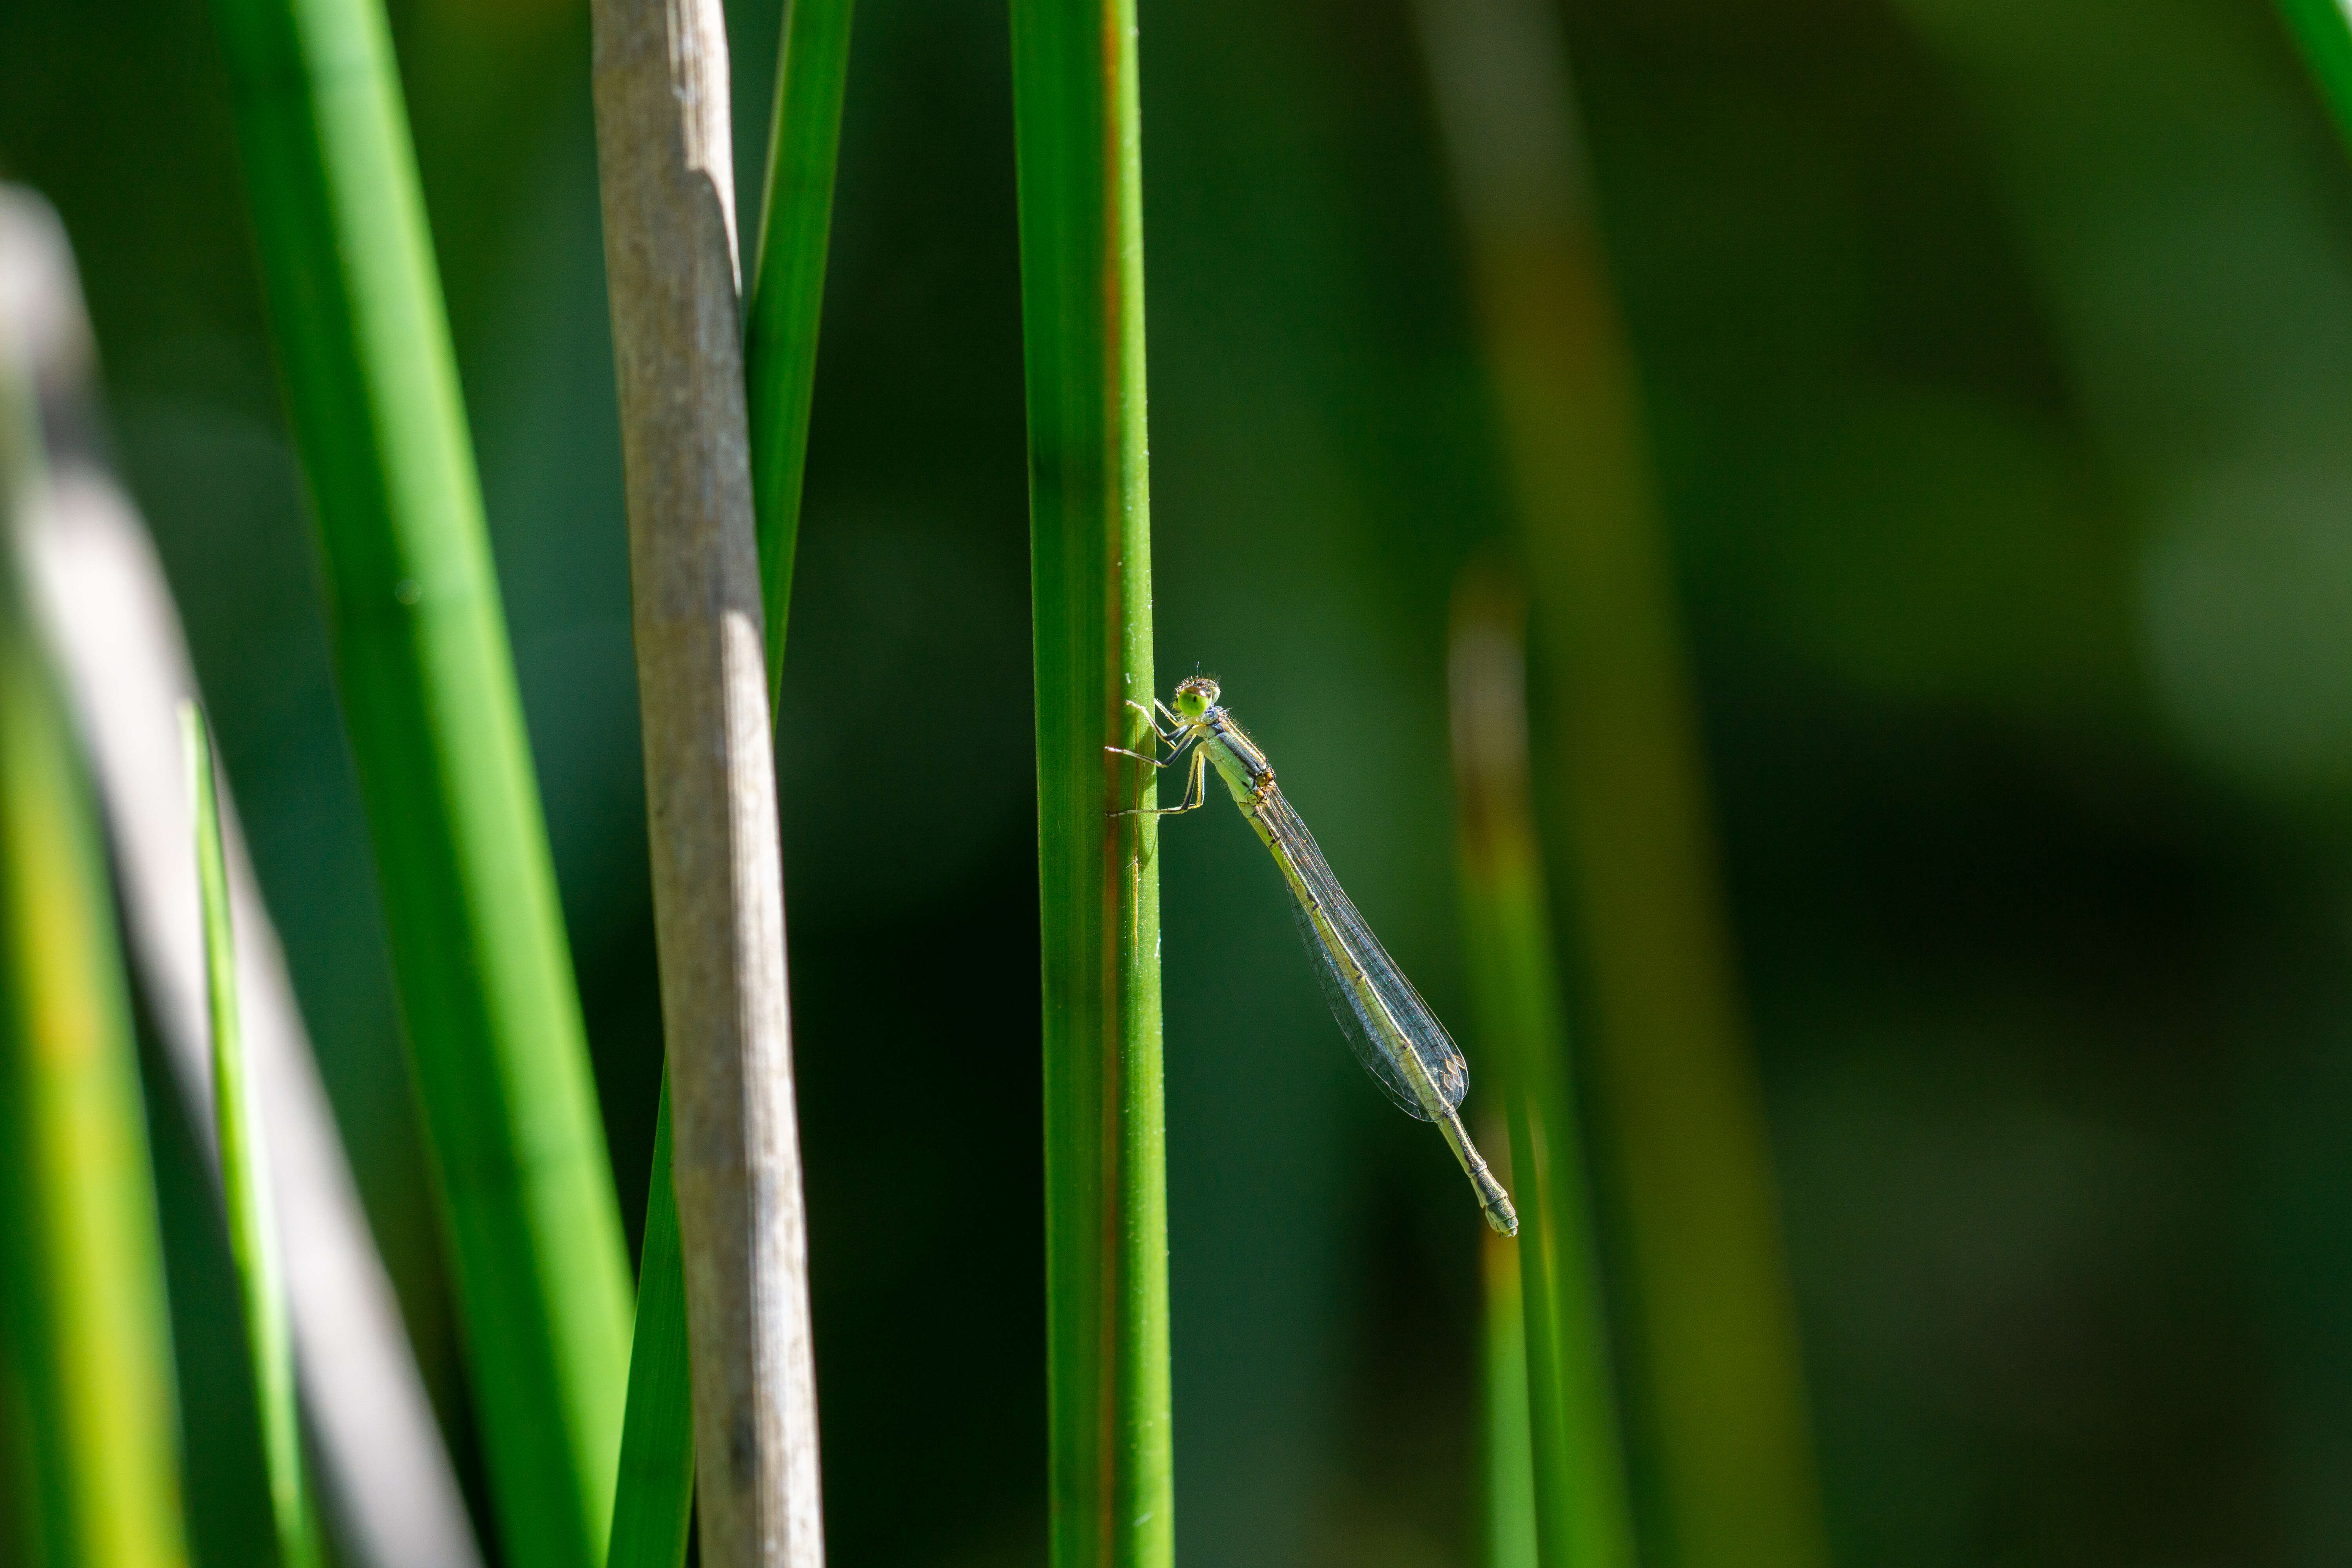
(1508, 1460)
(1074, 89)
(245, 1175)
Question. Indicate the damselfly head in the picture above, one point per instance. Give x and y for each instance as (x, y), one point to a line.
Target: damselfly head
(1196, 695)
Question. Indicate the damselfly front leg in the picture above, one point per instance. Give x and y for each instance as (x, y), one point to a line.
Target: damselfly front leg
(1174, 735)
(1175, 739)
(1195, 788)
(1194, 792)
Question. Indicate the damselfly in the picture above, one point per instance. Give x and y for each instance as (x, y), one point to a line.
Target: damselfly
(1395, 1036)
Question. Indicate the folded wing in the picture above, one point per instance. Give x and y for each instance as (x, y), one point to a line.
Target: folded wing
(1388, 1027)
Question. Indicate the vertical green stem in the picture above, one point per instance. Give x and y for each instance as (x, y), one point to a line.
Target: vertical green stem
(245, 1174)
(1583, 1519)
(787, 301)
(1508, 1459)
(81, 1275)
(428, 691)
(2324, 30)
(1075, 126)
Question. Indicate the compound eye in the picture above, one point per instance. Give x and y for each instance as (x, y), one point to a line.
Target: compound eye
(1195, 696)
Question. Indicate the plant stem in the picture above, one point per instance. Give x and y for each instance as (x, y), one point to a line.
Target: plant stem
(2324, 30)
(1508, 1456)
(82, 1309)
(657, 1483)
(1582, 1516)
(428, 689)
(1076, 141)
(787, 289)
(667, 169)
(243, 1142)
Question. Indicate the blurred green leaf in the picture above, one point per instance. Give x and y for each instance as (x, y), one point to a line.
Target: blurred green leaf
(2324, 29)
(1582, 1513)
(1716, 1394)
(82, 1309)
(428, 691)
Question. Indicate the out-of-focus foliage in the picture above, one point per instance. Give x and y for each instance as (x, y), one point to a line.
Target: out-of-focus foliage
(2323, 28)
(92, 1474)
(1999, 359)
(433, 719)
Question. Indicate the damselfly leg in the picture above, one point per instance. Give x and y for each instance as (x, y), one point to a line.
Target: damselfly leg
(1196, 784)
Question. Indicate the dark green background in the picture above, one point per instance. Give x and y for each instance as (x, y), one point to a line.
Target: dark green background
(1998, 356)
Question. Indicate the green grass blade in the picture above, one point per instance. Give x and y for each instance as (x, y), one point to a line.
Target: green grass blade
(245, 1175)
(1582, 1515)
(652, 1502)
(1076, 145)
(82, 1309)
(1507, 1459)
(428, 691)
(2323, 28)
(787, 300)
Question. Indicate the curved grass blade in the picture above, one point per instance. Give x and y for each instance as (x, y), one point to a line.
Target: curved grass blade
(787, 300)
(244, 1176)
